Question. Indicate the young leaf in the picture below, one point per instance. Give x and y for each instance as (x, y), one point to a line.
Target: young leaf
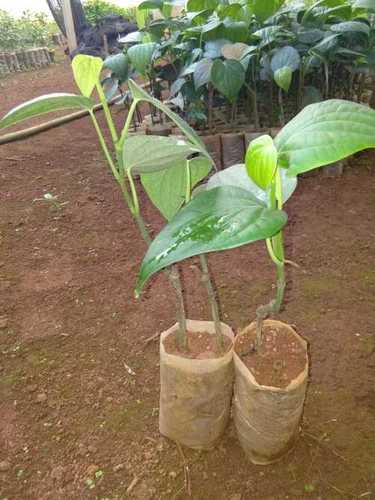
(167, 188)
(141, 56)
(228, 77)
(324, 133)
(151, 153)
(45, 104)
(140, 95)
(237, 176)
(261, 161)
(218, 219)
(283, 78)
(86, 71)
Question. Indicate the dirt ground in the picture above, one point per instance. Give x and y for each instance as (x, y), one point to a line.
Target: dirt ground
(74, 423)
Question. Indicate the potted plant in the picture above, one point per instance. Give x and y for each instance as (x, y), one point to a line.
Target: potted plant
(194, 390)
(267, 409)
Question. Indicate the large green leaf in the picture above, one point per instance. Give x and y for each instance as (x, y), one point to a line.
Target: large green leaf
(286, 56)
(218, 219)
(151, 153)
(141, 56)
(86, 71)
(237, 176)
(140, 95)
(351, 27)
(261, 161)
(283, 77)
(45, 104)
(167, 188)
(197, 5)
(324, 133)
(228, 77)
(119, 65)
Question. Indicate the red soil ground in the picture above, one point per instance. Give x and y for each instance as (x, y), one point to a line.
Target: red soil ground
(74, 424)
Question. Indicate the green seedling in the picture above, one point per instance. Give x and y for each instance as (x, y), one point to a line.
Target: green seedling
(244, 203)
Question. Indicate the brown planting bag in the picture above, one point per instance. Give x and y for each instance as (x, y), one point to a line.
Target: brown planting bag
(267, 418)
(195, 394)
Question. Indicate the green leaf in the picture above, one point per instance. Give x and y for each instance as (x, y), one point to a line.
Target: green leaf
(261, 161)
(202, 72)
(141, 56)
(167, 188)
(119, 65)
(237, 176)
(351, 27)
(151, 153)
(140, 95)
(45, 104)
(263, 9)
(283, 77)
(218, 219)
(286, 56)
(235, 31)
(324, 133)
(197, 5)
(86, 71)
(228, 77)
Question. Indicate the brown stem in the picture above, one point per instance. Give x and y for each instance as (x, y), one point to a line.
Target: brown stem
(206, 279)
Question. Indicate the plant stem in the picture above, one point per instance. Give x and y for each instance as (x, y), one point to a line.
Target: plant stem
(133, 205)
(206, 279)
(107, 113)
(104, 147)
(275, 247)
(181, 336)
(281, 104)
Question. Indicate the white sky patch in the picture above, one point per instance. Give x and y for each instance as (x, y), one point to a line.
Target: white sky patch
(16, 7)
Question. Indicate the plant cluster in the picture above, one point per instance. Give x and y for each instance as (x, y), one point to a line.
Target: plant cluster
(256, 55)
(30, 30)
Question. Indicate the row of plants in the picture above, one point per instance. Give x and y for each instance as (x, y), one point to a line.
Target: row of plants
(232, 208)
(29, 30)
(266, 59)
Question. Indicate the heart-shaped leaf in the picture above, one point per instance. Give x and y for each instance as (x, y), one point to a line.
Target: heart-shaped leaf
(167, 188)
(141, 56)
(86, 71)
(151, 153)
(324, 133)
(228, 77)
(283, 77)
(261, 161)
(45, 104)
(218, 219)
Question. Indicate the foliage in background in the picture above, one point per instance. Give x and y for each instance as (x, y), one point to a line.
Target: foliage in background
(30, 30)
(270, 58)
(96, 9)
